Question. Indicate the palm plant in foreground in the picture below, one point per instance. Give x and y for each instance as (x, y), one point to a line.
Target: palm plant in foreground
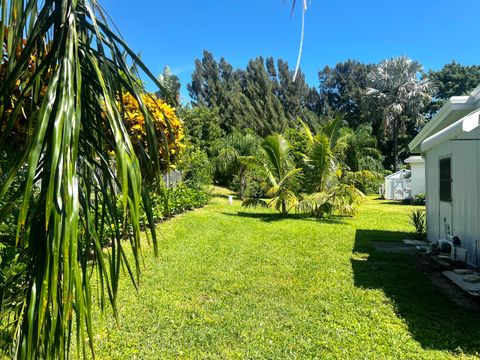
(63, 70)
(282, 175)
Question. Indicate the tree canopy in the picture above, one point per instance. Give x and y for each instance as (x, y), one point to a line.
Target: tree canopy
(453, 79)
(262, 97)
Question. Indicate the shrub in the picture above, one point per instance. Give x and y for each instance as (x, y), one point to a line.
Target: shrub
(176, 200)
(417, 219)
(167, 126)
(183, 198)
(419, 199)
(197, 169)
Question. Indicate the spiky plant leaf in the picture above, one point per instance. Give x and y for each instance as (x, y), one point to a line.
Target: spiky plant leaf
(63, 71)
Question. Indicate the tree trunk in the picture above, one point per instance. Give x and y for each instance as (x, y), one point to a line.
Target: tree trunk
(395, 145)
(243, 181)
(284, 207)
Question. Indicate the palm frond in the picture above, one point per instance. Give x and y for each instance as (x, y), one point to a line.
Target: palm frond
(254, 202)
(65, 63)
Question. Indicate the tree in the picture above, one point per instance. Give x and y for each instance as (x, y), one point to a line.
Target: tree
(264, 107)
(171, 86)
(235, 153)
(282, 176)
(363, 155)
(452, 79)
(68, 68)
(395, 88)
(342, 89)
(330, 184)
(202, 126)
(291, 93)
(217, 85)
(260, 97)
(362, 152)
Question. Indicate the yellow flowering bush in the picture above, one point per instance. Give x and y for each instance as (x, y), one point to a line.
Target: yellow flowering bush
(18, 129)
(160, 111)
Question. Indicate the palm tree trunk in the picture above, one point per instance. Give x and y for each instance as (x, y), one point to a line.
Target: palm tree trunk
(395, 145)
(243, 181)
(284, 207)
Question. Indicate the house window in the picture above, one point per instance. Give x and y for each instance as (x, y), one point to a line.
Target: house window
(446, 179)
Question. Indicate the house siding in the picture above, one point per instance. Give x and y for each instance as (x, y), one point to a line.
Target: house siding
(465, 155)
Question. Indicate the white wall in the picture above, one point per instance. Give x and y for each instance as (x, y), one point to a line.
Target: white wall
(418, 178)
(465, 208)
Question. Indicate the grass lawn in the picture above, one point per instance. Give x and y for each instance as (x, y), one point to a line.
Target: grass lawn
(232, 282)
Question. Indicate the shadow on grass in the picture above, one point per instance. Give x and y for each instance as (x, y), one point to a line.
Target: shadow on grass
(391, 202)
(224, 196)
(433, 319)
(398, 202)
(271, 217)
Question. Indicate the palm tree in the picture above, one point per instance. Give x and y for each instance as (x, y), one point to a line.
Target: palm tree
(362, 158)
(171, 83)
(395, 87)
(328, 179)
(235, 154)
(282, 175)
(62, 73)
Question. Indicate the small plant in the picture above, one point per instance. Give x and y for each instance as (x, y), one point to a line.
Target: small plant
(419, 199)
(417, 219)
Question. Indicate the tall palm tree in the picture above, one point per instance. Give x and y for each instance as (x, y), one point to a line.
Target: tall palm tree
(62, 72)
(394, 85)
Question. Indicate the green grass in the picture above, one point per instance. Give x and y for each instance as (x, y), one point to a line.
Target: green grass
(240, 283)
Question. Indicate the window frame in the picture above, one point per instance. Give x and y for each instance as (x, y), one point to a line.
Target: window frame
(445, 183)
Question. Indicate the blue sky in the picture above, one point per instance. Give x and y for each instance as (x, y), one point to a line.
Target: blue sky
(175, 32)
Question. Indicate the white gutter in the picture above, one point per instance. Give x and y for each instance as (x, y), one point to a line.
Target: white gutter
(465, 124)
(452, 104)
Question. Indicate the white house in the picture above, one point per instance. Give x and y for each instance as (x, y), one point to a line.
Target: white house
(417, 177)
(450, 145)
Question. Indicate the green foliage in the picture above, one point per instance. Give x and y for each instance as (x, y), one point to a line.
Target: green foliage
(363, 159)
(342, 90)
(332, 187)
(234, 155)
(263, 97)
(184, 198)
(202, 126)
(341, 199)
(318, 167)
(298, 140)
(417, 219)
(13, 285)
(63, 69)
(257, 183)
(281, 173)
(452, 79)
(196, 169)
(170, 86)
(419, 199)
(180, 198)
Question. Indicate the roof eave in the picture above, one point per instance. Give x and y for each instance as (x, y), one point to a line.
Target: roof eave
(452, 104)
